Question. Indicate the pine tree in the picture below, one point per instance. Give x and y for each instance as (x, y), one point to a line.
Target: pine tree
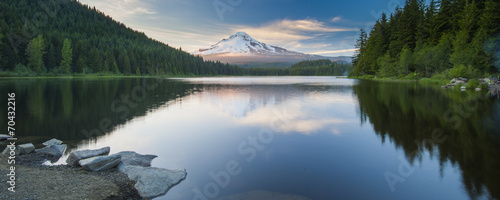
(490, 18)
(109, 61)
(137, 71)
(94, 61)
(462, 49)
(51, 58)
(396, 38)
(1, 47)
(357, 60)
(67, 57)
(35, 52)
(404, 64)
(114, 68)
(411, 19)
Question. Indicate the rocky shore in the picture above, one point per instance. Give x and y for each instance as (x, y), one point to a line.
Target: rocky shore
(89, 174)
(464, 83)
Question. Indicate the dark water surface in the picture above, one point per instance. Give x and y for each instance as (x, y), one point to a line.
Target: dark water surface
(278, 137)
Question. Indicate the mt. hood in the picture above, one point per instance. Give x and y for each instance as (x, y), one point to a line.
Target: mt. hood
(243, 43)
(241, 49)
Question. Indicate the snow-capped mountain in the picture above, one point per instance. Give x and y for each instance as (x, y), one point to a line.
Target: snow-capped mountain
(241, 42)
(241, 48)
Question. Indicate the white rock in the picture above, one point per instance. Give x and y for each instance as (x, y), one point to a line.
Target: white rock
(26, 148)
(152, 182)
(133, 158)
(76, 156)
(100, 163)
(53, 150)
(7, 150)
(4, 137)
(52, 141)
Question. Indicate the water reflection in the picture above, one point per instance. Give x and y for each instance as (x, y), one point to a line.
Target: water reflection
(80, 109)
(458, 127)
(332, 138)
(286, 108)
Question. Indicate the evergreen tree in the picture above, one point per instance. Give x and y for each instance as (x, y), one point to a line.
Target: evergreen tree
(67, 57)
(51, 58)
(81, 65)
(35, 52)
(126, 66)
(411, 19)
(405, 62)
(109, 62)
(1, 46)
(94, 61)
(137, 71)
(357, 60)
(396, 38)
(462, 49)
(114, 68)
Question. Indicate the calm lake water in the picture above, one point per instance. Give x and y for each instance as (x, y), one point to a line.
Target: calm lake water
(278, 137)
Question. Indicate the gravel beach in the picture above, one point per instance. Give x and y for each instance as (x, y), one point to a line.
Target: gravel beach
(36, 181)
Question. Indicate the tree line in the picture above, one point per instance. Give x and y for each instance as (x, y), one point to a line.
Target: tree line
(321, 68)
(442, 39)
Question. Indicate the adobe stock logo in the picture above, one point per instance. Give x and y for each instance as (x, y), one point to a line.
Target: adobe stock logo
(222, 6)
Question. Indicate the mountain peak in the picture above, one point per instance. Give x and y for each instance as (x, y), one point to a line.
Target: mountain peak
(240, 43)
(241, 34)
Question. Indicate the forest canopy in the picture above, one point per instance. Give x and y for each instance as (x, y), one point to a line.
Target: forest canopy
(421, 40)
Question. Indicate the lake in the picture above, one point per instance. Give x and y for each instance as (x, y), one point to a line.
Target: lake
(278, 137)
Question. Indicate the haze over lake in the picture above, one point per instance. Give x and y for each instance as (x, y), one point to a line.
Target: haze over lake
(279, 137)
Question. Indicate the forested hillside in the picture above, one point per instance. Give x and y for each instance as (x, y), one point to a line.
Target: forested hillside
(321, 67)
(62, 37)
(443, 39)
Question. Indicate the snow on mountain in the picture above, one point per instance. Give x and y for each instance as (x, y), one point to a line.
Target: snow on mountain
(243, 43)
(242, 49)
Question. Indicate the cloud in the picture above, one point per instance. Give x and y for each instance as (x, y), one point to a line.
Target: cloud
(336, 19)
(293, 116)
(335, 51)
(120, 10)
(284, 31)
(190, 40)
(306, 25)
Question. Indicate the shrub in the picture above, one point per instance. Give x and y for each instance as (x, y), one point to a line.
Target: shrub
(473, 83)
(22, 70)
(412, 76)
(483, 86)
(441, 75)
(463, 71)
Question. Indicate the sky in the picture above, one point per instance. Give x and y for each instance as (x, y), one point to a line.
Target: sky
(322, 27)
